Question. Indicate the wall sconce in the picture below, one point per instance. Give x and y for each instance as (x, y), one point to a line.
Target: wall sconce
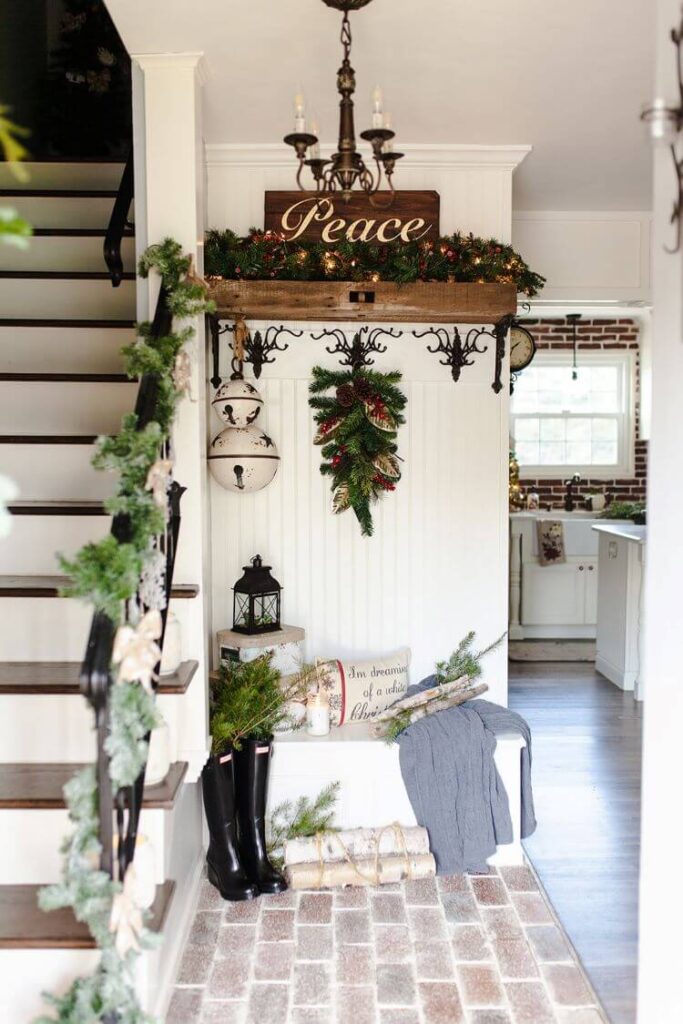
(665, 122)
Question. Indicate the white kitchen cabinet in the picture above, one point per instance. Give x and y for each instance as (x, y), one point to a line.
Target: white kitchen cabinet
(553, 601)
(559, 595)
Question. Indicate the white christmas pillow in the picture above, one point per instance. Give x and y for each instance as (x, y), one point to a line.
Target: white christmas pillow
(359, 690)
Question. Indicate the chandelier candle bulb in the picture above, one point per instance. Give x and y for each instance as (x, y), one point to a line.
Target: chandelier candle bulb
(299, 113)
(377, 115)
(314, 151)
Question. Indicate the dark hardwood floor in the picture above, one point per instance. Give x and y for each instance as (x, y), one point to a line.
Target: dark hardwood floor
(586, 773)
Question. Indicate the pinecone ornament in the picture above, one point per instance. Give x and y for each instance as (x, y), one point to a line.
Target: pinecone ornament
(362, 387)
(346, 395)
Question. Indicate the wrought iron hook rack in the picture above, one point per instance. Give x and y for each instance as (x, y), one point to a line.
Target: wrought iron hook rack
(257, 347)
(356, 353)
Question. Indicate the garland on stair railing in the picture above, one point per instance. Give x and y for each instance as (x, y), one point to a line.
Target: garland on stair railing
(107, 575)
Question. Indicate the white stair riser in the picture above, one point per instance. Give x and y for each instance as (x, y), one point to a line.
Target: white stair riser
(63, 211)
(64, 407)
(63, 176)
(36, 541)
(66, 299)
(26, 973)
(35, 728)
(42, 629)
(56, 629)
(57, 472)
(63, 349)
(33, 856)
(64, 253)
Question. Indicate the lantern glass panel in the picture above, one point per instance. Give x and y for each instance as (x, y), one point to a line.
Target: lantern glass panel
(241, 616)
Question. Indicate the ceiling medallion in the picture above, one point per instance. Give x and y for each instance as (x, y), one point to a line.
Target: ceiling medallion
(346, 169)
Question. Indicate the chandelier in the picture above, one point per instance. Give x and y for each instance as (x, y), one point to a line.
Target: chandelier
(346, 169)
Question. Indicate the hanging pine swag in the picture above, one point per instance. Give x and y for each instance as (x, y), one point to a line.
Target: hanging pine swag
(357, 430)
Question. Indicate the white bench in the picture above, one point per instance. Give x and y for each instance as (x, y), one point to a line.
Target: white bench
(372, 791)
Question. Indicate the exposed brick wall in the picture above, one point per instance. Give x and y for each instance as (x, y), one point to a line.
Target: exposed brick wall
(592, 335)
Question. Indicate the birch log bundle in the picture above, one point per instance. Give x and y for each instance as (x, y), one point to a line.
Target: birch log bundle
(423, 697)
(431, 708)
(357, 843)
(363, 872)
(361, 856)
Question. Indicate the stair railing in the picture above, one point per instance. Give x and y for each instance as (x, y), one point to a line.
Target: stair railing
(96, 678)
(119, 223)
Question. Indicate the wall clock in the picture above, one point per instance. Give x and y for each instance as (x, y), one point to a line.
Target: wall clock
(522, 348)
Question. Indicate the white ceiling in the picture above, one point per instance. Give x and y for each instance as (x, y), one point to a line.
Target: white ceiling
(567, 78)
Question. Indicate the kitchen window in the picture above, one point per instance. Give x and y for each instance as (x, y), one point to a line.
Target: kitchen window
(585, 425)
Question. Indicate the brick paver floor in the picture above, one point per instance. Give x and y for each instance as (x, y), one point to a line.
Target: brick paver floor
(481, 949)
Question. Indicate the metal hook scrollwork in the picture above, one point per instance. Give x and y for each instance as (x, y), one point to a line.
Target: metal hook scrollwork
(356, 353)
(257, 348)
(457, 352)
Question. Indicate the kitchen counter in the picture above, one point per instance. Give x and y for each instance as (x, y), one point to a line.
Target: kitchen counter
(621, 557)
(629, 531)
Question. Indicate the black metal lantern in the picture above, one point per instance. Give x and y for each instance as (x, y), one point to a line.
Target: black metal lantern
(256, 605)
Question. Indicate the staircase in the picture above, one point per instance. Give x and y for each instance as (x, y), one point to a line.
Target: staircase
(62, 325)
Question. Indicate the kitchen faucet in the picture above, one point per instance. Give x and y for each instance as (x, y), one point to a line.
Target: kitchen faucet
(569, 493)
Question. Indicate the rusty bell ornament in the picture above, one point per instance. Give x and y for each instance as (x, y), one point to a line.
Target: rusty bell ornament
(243, 459)
(238, 403)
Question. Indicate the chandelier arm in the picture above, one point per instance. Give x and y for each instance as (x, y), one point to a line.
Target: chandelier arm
(392, 194)
(298, 175)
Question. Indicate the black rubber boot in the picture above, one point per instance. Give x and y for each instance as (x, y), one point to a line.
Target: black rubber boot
(251, 774)
(224, 867)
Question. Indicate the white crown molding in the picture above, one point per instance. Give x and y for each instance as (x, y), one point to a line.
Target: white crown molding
(239, 154)
(193, 60)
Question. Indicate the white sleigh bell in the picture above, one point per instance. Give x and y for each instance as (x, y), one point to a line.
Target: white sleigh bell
(238, 403)
(243, 459)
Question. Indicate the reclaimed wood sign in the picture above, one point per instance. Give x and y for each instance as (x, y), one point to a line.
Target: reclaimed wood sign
(314, 218)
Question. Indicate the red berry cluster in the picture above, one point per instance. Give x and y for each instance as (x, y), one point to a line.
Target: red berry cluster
(382, 483)
(339, 457)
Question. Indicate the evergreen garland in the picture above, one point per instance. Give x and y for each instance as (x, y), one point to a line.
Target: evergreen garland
(357, 430)
(106, 574)
(264, 255)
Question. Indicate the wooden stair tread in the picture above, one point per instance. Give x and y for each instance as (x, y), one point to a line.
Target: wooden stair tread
(60, 193)
(61, 677)
(66, 378)
(56, 322)
(63, 275)
(24, 926)
(39, 786)
(57, 508)
(77, 232)
(48, 438)
(50, 586)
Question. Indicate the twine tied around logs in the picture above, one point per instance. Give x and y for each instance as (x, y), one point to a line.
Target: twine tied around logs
(374, 878)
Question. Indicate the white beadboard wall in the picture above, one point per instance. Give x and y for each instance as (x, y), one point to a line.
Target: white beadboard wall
(437, 563)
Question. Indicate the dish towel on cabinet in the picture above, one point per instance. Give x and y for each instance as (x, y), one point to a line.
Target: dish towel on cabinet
(550, 533)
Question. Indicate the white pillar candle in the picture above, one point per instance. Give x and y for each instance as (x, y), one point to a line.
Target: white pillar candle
(159, 756)
(318, 714)
(172, 652)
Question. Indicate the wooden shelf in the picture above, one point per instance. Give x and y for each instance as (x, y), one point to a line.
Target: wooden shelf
(50, 586)
(383, 302)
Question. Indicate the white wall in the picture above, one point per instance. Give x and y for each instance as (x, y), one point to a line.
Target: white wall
(587, 256)
(660, 996)
(437, 565)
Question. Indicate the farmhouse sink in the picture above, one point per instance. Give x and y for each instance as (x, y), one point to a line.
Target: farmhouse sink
(579, 537)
